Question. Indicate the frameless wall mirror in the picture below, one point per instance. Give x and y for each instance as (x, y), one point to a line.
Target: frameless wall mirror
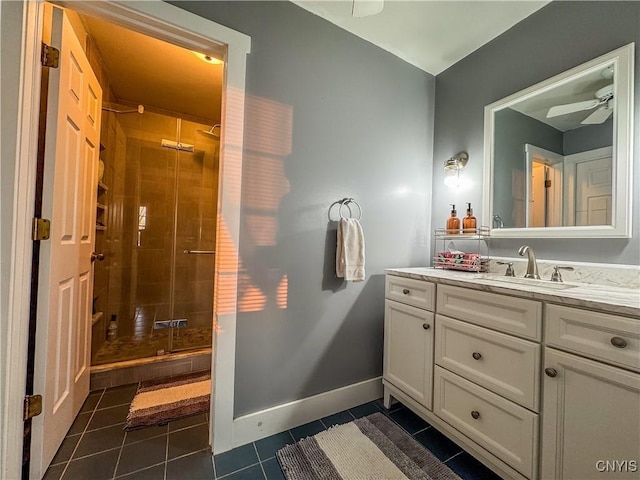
(558, 156)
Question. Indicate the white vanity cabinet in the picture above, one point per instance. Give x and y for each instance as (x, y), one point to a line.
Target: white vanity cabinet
(533, 389)
(591, 423)
(408, 337)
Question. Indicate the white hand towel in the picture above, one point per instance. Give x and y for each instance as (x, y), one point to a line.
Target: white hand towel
(350, 250)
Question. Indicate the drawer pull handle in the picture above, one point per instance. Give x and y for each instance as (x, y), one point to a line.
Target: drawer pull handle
(476, 355)
(475, 414)
(426, 326)
(406, 291)
(618, 342)
(550, 372)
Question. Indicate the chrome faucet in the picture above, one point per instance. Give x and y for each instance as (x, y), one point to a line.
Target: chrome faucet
(532, 266)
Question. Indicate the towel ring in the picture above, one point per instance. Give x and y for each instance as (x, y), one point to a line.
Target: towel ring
(346, 201)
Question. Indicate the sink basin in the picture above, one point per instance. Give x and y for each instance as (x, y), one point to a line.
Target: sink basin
(546, 284)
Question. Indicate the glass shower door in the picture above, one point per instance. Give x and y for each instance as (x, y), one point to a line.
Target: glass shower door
(195, 235)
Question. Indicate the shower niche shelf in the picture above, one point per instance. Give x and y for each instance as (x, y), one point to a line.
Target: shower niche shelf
(101, 206)
(96, 317)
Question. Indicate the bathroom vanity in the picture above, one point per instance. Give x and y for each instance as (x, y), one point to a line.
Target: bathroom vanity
(538, 380)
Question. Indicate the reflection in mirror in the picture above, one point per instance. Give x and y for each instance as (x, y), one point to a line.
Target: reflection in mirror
(532, 141)
(558, 154)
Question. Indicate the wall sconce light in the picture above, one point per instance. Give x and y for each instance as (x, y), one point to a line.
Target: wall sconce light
(452, 169)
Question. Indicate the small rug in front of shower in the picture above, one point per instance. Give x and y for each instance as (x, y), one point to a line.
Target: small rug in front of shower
(369, 447)
(163, 400)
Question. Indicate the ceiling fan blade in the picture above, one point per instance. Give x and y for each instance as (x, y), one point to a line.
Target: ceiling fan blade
(599, 116)
(572, 107)
(366, 8)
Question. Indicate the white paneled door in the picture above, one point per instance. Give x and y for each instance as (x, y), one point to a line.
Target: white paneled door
(593, 192)
(66, 275)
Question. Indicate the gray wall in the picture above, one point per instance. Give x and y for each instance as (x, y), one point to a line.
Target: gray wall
(361, 125)
(512, 131)
(559, 36)
(589, 137)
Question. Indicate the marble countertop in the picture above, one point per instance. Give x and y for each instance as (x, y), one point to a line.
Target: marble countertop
(616, 300)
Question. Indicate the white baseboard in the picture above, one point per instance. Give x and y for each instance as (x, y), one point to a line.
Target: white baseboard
(270, 421)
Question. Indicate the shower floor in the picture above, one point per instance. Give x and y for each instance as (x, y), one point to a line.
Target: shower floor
(142, 346)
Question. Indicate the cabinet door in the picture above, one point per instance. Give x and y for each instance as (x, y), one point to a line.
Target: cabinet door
(408, 350)
(591, 421)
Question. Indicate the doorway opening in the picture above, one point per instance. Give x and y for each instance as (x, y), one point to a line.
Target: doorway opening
(156, 202)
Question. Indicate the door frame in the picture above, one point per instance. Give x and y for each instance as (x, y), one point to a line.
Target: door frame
(555, 161)
(166, 22)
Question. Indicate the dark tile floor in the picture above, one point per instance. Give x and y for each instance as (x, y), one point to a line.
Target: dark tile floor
(97, 447)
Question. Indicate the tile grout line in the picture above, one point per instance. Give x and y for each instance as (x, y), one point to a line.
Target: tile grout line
(139, 470)
(166, 454)
(236, 471)
(421, 430)
(454, 456)
(81, 435)
(259, 461)
(189, 454)
(124, 439)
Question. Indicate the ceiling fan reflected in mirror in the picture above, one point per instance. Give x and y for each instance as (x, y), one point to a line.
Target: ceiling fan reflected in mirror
(603, 103)
(366, 8)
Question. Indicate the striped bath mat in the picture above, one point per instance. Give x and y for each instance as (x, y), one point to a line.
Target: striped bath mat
(368, 448)
(160, 401)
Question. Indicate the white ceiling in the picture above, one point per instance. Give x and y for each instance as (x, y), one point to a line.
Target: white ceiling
(432, 35)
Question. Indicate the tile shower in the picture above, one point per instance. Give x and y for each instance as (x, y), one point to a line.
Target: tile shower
(160, 203)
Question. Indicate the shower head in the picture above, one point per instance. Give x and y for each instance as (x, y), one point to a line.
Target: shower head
(140, 110)
(209, 133)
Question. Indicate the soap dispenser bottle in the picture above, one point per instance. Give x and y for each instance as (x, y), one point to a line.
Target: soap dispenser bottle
(469, 222)
(453, 223)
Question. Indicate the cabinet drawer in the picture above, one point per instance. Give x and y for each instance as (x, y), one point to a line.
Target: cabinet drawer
(506, 365)
(517, 316)
(418, 293)
(503, 428)
(594, 334)
(408, 350)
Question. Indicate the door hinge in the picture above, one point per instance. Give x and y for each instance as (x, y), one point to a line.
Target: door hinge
(50, 56)
(41, 229)
(547, 184)
(32, 406)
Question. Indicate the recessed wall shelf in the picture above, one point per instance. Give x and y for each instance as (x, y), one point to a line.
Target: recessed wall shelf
(96, 317)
